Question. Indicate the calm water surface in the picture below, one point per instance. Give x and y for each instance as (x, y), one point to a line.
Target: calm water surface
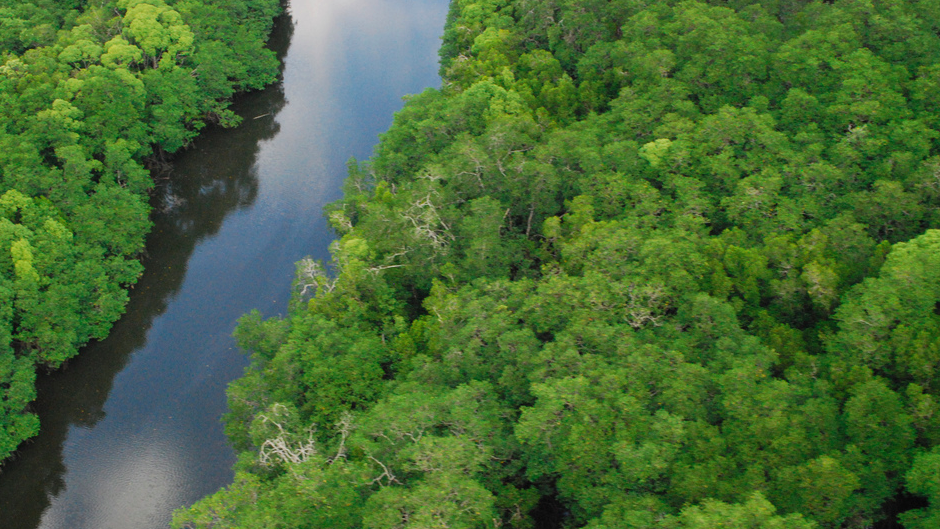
(130, 430)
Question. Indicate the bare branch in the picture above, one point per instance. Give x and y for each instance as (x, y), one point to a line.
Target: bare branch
(387, 474)
(281, 447)
(344, 426)
(310, 274)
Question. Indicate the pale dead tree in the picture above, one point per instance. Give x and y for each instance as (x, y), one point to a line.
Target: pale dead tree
(642, 305)
(478, 166)
(284, 447)
(432, 174)
(403, 252)
(386, 474)
(376, 269)
(427, 223)
(340, 221)
(308, 270)
(359, 182)
(310, 274)
(291, 449)
(345, 427)
(388, 259)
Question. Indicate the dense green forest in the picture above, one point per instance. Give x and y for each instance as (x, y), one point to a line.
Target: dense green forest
(91, 93)
(644, 264)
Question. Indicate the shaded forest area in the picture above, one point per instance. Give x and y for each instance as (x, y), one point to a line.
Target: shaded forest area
(640, 264)
(91, 92)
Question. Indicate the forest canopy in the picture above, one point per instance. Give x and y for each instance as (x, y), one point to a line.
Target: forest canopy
(90, 93)
(669, 264)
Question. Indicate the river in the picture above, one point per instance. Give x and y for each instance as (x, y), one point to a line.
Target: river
(130, 429)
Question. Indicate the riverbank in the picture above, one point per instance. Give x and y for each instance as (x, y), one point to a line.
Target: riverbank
(87, 94)
(133, 423)
(662, 265)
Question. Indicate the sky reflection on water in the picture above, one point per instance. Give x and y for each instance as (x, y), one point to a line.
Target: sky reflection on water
(131, 428)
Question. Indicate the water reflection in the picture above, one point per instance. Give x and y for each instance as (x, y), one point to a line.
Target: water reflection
(215, 178)
(130, 429)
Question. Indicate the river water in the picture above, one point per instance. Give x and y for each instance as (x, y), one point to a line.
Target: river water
(130, 429)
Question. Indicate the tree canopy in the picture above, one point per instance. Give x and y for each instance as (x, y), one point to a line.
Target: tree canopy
(89, 92)
(646, 265)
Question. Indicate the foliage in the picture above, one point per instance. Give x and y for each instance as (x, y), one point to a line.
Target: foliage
(665, 264)
(89, 91)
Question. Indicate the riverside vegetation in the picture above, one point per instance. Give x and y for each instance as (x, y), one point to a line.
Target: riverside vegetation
(640, 264)
(90, 90)
(637, 264)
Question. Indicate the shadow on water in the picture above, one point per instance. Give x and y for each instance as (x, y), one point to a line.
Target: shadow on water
(205, 184)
